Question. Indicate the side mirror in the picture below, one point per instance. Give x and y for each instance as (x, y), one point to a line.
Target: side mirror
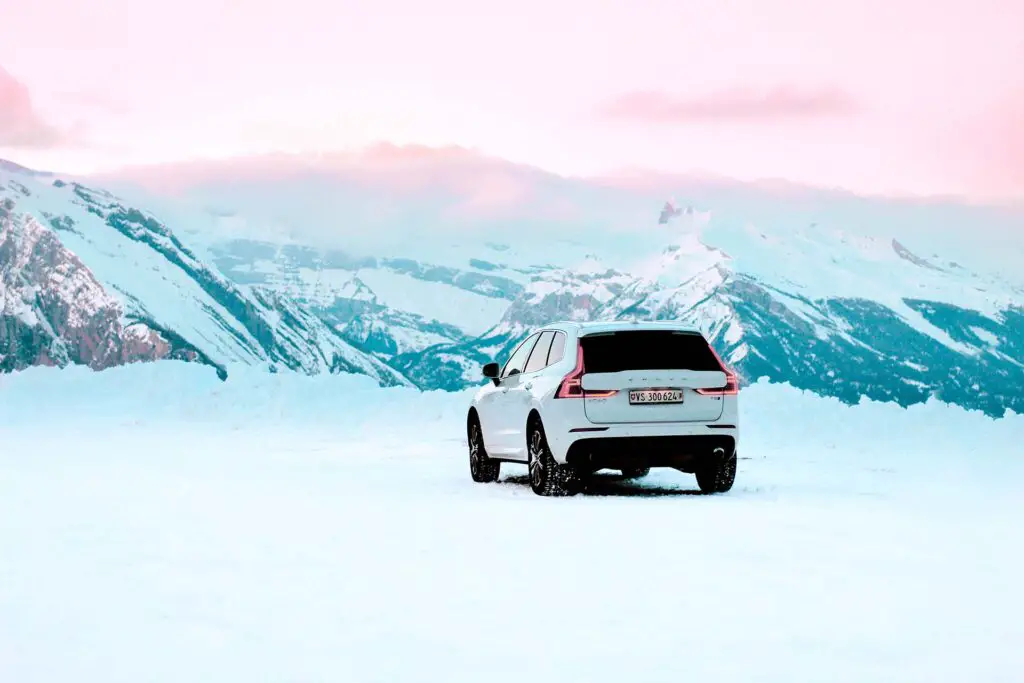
(491, 372)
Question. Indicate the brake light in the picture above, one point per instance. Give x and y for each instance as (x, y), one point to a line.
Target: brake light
(732, 384)
(572, 384)
(731, 388)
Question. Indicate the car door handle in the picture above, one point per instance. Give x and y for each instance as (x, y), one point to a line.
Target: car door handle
(528, 386)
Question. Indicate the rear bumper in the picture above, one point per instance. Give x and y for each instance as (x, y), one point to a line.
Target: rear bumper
(678, 445)
(627, 452)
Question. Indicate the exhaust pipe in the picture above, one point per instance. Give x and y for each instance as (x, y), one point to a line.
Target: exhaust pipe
(719, 453)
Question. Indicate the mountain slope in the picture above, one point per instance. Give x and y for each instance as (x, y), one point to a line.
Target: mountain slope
(53, 311)
(154, 285)
(386, 306)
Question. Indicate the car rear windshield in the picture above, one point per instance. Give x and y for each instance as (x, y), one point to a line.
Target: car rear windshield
(647, 350)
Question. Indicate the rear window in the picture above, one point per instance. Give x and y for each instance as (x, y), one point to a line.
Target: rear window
(647, 350)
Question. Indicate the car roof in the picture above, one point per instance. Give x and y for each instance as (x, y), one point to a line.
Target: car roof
(597, 326)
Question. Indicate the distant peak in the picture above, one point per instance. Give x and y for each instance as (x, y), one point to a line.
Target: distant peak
(671, 210)
(18, 168)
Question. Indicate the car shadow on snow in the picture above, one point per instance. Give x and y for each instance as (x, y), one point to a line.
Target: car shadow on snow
(607, 484)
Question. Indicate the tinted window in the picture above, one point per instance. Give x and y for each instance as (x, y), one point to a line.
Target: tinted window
(518, 360)
(647, 350)
(539, 357)
(557, 348)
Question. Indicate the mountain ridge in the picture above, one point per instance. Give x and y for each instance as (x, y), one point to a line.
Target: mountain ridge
(827, 309)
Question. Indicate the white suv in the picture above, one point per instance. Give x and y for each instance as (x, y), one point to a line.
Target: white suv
(574, 398)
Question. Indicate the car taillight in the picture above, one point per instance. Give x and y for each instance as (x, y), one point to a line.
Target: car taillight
(732, 384)
(731, 388)
(572, 384)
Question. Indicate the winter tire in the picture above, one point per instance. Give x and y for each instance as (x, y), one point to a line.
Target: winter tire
(547, 477)
(481, 467)
(717, 475)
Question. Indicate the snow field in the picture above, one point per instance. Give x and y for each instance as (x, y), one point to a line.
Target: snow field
(284, 528)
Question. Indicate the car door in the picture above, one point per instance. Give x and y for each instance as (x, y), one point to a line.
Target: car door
(519, 398)
(495, 416)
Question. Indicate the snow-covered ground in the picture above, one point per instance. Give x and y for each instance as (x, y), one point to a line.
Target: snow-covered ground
(158, 525)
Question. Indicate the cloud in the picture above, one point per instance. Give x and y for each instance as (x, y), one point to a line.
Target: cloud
(737, 105)
(20, 125)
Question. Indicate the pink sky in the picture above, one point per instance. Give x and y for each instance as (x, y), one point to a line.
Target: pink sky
(878, 96)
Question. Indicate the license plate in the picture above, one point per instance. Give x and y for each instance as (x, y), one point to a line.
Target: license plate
(651, 396)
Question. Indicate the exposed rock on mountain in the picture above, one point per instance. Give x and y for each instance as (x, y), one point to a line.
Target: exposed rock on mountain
(53, 311)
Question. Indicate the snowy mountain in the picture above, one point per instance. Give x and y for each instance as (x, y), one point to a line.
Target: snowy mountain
(836, 313)
(89, 279)
(386, 306)
(873, 302)
(833, 313)
(55, 312)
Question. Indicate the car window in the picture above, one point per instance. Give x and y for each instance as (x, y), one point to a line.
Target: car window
(557, 349)
(517, 361)
(539, 356)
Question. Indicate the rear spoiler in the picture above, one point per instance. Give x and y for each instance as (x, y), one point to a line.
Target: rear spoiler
(611, 333)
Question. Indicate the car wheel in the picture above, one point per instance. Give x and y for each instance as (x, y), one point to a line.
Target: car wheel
(481, 467)
(716, 475)
(547, 477)
(636, 472)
